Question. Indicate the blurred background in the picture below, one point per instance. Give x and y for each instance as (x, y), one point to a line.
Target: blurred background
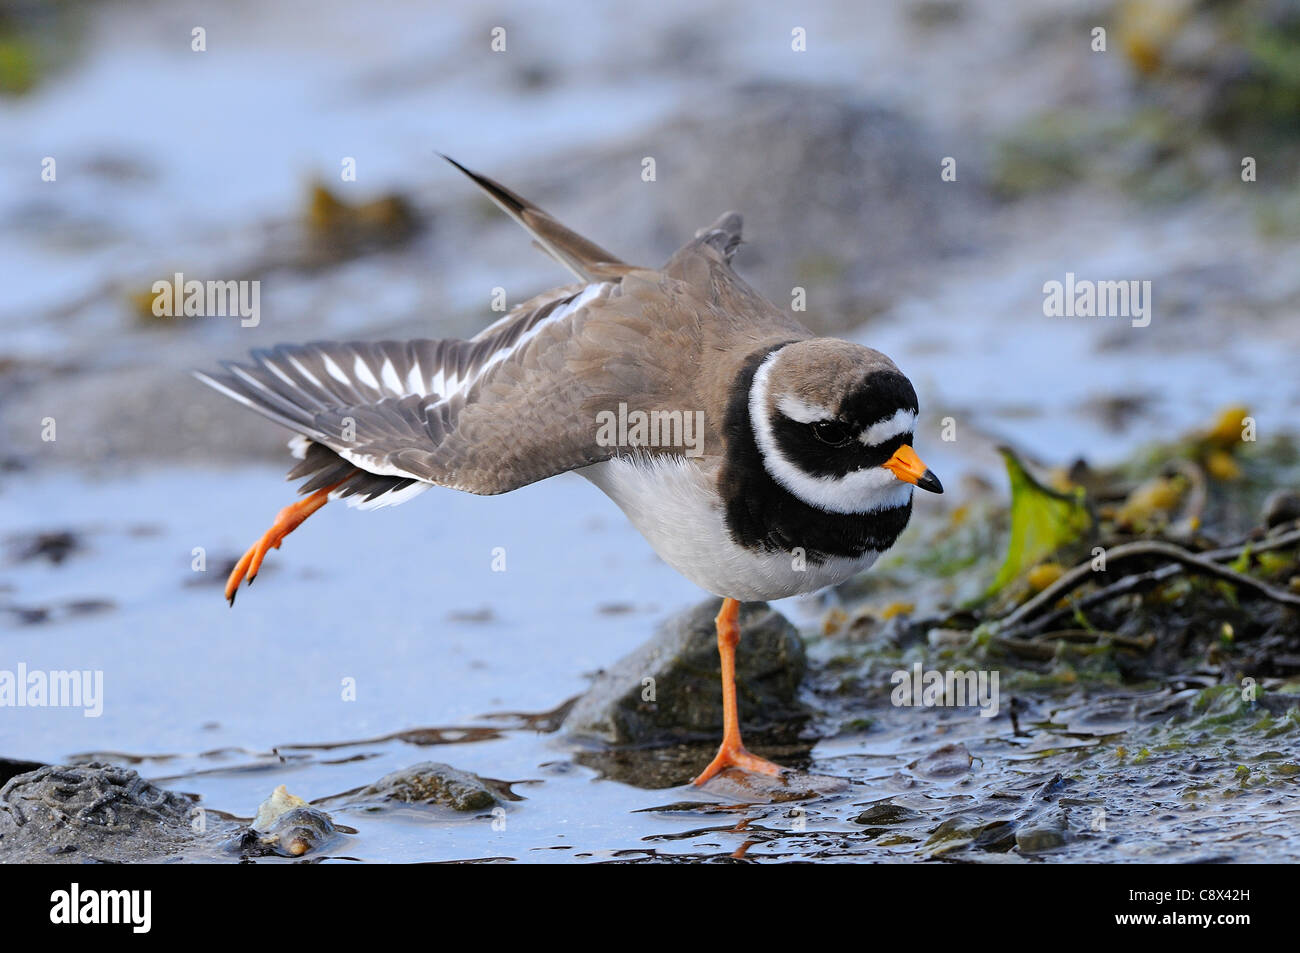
(139, 139)
(226, 163)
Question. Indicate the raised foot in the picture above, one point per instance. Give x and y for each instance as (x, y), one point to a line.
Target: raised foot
(286, 521)
(251, 562)
(737, 757)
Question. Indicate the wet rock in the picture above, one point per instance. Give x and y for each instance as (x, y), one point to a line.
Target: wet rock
(1044, 834)
(1034, 840)
(741, 787)
(432, 782)
(91, 812)
(955, 833)
(1049, 789)
(294, 834)
(949, 761)
(996, 837)
(670, 689)
(286, 826)
(886, 813)
(1282, 506)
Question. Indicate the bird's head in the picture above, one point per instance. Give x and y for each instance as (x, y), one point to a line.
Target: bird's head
(833, 422)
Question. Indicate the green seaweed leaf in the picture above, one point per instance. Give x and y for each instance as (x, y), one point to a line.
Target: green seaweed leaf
(1042, 521)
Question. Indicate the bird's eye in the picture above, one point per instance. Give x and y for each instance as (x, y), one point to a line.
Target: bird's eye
(832, 432)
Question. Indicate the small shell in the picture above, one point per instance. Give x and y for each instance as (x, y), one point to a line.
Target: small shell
(280, 802)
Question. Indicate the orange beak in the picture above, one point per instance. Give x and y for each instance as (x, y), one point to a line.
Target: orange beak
(907, 466)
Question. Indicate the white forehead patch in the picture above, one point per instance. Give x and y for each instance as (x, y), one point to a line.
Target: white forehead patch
(903, 421)
(803, 413)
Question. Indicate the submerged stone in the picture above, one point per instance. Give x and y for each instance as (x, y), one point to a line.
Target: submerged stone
(286, 826)
(1034, 840)
(291, 833)
(670, 690)
(886, 813)
(948, 761)
(432, 782)
(1042, 834)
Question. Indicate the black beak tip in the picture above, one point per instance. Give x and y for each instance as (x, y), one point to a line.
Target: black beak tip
(930, 482)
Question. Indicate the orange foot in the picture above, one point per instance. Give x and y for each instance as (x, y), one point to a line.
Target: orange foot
(735, 756)
(286, 521)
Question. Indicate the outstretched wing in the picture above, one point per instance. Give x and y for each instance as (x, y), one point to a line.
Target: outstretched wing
(515, 405)
(485, 415)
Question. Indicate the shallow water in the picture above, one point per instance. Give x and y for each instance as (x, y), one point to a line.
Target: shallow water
(230, 703)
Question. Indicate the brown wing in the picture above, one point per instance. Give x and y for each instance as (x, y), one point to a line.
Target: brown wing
(487, 415)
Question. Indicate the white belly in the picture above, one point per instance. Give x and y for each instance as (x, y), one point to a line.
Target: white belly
(672, 503)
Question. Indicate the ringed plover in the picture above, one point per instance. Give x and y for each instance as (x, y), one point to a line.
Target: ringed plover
(800, 477)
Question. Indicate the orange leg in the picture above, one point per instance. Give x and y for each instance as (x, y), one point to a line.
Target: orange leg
(286, 521)
(732, 753)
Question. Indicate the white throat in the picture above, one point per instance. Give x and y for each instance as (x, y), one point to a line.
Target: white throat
(861, 491)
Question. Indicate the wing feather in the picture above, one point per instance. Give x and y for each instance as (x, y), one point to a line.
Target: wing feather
(587, 260)
(485, 415)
